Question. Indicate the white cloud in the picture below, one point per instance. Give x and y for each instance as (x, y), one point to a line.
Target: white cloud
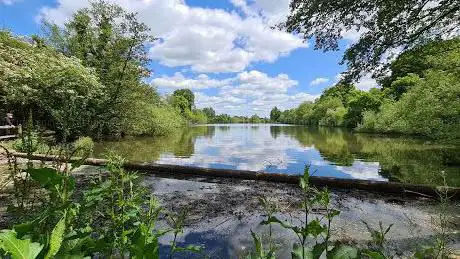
(366, 83)
(363, 170)
(246, 93)
(277, 11)
(319, 80)
(8, 2)
(178, 81)
(207, 40)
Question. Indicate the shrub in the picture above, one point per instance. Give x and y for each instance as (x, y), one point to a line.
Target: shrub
(83, 146)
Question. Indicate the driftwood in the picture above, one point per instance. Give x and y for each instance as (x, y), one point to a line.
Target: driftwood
(330, 182)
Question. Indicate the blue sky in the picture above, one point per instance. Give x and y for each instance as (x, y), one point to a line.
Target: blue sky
(223, 50)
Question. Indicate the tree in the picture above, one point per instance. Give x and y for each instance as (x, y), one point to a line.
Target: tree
(181, 103)
(413, 64)
(113, 42)
(255, 119)
(59, 90)
(386, 25)
(275, 114)
(209, 112)
(188, 96)
(360, 103)
(430, 108)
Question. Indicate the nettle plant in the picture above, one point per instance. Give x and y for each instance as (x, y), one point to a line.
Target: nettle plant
(314, 227)
(313, 231)
(115, 217)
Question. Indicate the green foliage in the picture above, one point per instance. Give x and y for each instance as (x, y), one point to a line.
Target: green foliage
(435, 99)
(423, 84)
(187, 101)
(18, 248)
(28, 142)
(209, 112)
(57, 236)
(275, 114)
(359, 104)
(436, 55)
(83, 146)
(381, 23)
(153, 120)
(113, 217)
(317, 228)
(56, 88)
(260, 252)
(85, 79)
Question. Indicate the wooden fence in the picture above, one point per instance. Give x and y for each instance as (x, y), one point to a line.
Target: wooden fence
(6, 132)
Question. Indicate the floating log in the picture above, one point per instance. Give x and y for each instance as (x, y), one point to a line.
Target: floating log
(173, 171)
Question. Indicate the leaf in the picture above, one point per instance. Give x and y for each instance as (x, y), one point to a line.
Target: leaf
(344, 252)
(19, 249)
(190, 248)
(285, 225)
(56, 239)
(318, 250)
(298, 251)
(23, 228)
(315, 228)
(45, 176)
(258, 244)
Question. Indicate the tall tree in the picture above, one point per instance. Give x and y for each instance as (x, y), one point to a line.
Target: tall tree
(275, 114)
(59, 90)
(386, 25)
(209, 112)
(114, 43)
(188, 95)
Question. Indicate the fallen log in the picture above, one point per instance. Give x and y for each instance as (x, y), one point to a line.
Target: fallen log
(173, 171)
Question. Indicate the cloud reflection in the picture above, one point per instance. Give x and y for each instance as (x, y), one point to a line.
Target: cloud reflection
(265, 148)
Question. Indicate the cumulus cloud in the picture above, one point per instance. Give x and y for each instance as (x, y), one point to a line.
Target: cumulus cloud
(246, 93)
(319, 80)
(276, 11)
(366, 83)
(202, 81)
(207, 40)
(8, 2)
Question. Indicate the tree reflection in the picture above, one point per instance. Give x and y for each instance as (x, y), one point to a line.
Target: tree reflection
(399, 159)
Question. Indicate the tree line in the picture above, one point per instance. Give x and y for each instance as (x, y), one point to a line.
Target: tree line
(421, 96)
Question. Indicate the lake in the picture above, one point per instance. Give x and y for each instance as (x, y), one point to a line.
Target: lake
(287, 149)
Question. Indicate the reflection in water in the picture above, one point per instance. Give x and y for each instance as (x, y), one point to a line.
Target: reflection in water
(287, 149)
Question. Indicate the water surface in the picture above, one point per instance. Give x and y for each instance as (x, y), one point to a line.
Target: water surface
(287, 149)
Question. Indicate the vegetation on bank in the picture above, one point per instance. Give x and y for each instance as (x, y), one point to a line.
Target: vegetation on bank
(420, 97)
(86, 78)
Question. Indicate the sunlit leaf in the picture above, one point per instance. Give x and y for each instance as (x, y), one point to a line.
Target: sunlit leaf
(17, 248)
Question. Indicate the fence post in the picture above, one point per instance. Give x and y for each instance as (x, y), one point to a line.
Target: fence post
(19, 130)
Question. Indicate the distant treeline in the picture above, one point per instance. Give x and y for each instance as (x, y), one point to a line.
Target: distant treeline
(420, 97)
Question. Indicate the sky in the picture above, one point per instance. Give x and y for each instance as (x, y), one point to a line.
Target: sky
(223, 50)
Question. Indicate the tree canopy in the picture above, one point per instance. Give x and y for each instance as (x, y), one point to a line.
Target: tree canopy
(58, 89)
(385, 25)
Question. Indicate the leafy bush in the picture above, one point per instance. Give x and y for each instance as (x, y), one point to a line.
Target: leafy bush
(83, 146)
(430, 108)
(30, 142)
(153, 120)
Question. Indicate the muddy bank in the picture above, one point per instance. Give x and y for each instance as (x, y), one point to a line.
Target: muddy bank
(221, 213)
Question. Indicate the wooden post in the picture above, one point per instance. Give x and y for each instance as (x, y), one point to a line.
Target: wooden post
(19, 127)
